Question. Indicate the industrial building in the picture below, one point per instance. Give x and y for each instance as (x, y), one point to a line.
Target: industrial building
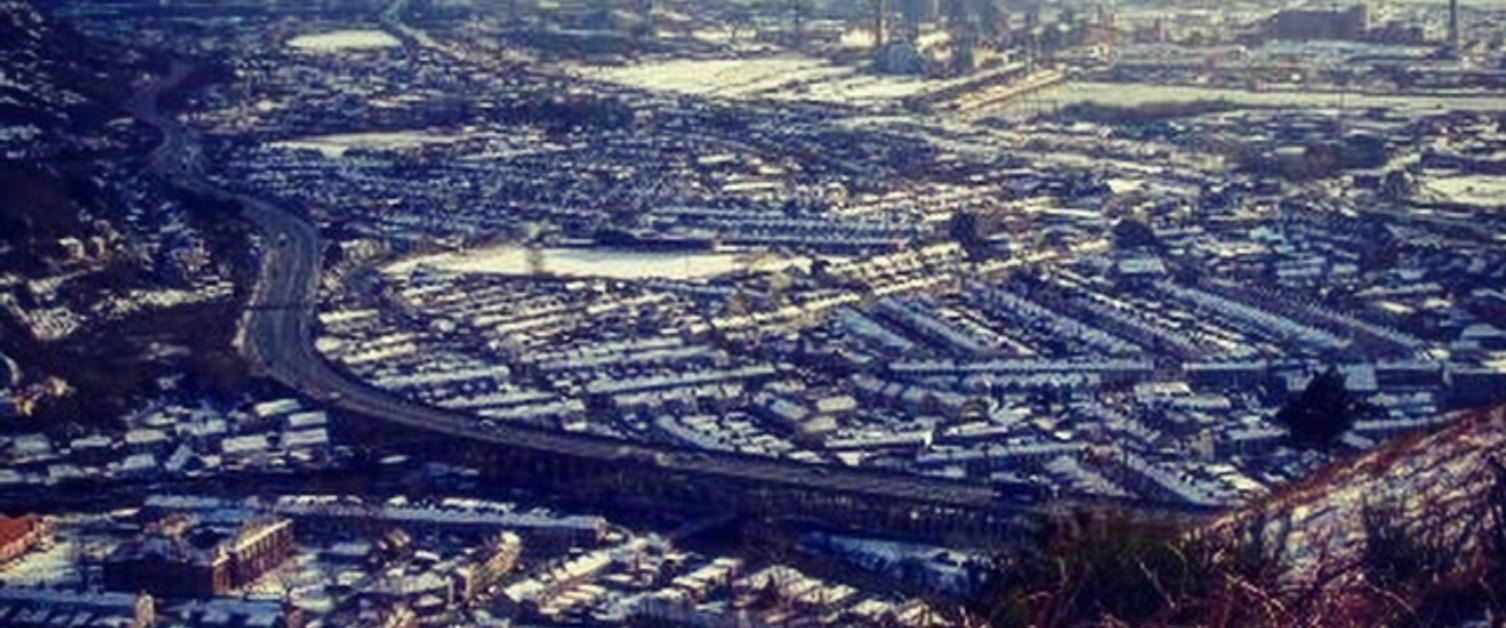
(182, 557)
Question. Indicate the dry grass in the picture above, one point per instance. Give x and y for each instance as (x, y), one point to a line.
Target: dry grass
(1403, 560)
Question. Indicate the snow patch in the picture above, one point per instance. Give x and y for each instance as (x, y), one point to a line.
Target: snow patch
(732, 78)
(345, 40)
(332, 146)
(577, 262)
(1477, 190)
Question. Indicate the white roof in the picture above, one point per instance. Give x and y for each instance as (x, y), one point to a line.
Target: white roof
(273, 408)
(138, 462)
(305, 438)
(245, 444)
(144, 437)
(33, 444)
(307, 419)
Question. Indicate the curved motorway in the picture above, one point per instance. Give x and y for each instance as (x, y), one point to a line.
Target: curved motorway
(279, 334)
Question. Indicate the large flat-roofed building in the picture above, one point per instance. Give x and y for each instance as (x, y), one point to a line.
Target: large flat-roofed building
(180, 557)
(1349, 24)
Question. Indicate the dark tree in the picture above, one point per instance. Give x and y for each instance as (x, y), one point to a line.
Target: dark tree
(1133, 234)
(1399, 185)
(970, 230)
(1323, 412)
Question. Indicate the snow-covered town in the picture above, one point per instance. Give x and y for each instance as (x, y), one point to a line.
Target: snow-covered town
(455, 312)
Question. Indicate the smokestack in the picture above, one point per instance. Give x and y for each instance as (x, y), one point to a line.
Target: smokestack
(797, 24)
(1453, 26)
(960, 24)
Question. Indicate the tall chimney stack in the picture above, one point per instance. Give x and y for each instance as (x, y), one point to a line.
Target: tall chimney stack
(1453, 27)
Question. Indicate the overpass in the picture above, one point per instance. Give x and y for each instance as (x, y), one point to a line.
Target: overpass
(586, 469)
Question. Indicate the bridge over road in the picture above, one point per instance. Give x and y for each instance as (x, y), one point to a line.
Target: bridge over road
(588, 469)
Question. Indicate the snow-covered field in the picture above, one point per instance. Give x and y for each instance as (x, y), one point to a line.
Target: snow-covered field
(785, 77)
(574, 262)
(1135, 94)
(336, 145)
(781, 77)
(1478, 190)
(863, 89)
(345, 40)
(732, 78)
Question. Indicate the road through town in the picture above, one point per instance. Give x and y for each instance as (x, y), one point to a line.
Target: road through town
(279, 336)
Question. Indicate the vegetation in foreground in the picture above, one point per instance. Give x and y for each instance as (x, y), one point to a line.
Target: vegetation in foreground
(1409, 571)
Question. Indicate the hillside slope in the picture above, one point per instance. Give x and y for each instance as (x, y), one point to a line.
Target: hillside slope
(60, 92)
(1411, 533)
(109, 278)
(60, 123)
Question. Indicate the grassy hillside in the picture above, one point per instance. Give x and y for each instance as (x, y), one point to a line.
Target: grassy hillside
(1411, 535)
